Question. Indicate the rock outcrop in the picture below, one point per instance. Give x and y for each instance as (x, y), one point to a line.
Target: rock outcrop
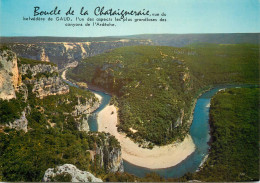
(36, 69)
(180, 119)
(43, 56)
(68, 171)
(22, 122)
(9, 76)
(110, 155)
(83, 111)
(44, 78)
(85, 108)
(63, 53)
(44, 86)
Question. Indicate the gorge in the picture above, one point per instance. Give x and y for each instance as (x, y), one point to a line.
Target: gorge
(144, 99)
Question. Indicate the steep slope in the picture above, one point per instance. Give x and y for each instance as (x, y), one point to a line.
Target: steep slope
(154, 89)
(63, 52)
(234, 152)
(44, 131)
(9, 76)
(180, 40)
(43, 76)
(156, 86)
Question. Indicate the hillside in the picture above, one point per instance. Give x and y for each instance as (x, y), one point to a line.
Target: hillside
(180, 40)
(44, 125)
(155, 86)
(234, 153)
(62, 51)
(154, 89)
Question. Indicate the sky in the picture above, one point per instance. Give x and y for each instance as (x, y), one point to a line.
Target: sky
(182, 17)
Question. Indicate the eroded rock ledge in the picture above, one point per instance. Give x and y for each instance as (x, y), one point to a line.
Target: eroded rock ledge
(68, 172)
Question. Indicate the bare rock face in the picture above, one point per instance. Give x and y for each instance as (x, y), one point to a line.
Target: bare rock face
(43, 56)
(70, 172)
(35, 69)
(48, 83)
(21, 123)
(83, 111)
(110, 155)
(49, 86)
(63, 53)
(9, 76)
(84, 125)
(85, 108)
(180, 119)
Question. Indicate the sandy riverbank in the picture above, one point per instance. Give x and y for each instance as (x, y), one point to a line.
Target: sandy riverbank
(158, 157)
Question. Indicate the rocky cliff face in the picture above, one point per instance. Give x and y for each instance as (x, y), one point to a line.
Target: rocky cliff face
(46, 86)
(22, 122)
(43, 56)
(83, 111)
(68, 173)
(44, 79)
(62, 53)
(36, 69)
(9, 76)
(110, 155)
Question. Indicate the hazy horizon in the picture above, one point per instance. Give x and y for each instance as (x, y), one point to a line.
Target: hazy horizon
(124, 36)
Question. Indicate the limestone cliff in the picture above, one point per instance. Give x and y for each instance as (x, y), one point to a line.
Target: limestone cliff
(36, 69)
(63, 53)
(43, 56)
(68, 173)
(82, 112)
(22, 122)
(110, 154)
(46, 86)
(72, 107)
(9, 76)
(44, 79)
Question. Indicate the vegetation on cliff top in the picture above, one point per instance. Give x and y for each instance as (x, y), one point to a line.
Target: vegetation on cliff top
(234, 152)
(52, 138)
(150, 83)
(155, 86)
(11, 110)
(32, 62)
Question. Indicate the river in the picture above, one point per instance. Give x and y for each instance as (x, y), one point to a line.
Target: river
(199, 131)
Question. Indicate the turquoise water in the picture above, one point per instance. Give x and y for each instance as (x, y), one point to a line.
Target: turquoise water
(92, 120)
(199, 132)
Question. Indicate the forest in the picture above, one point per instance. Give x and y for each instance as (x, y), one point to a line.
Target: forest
(234, 123)
(52, 139)
(155, 86)
(234, 153)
